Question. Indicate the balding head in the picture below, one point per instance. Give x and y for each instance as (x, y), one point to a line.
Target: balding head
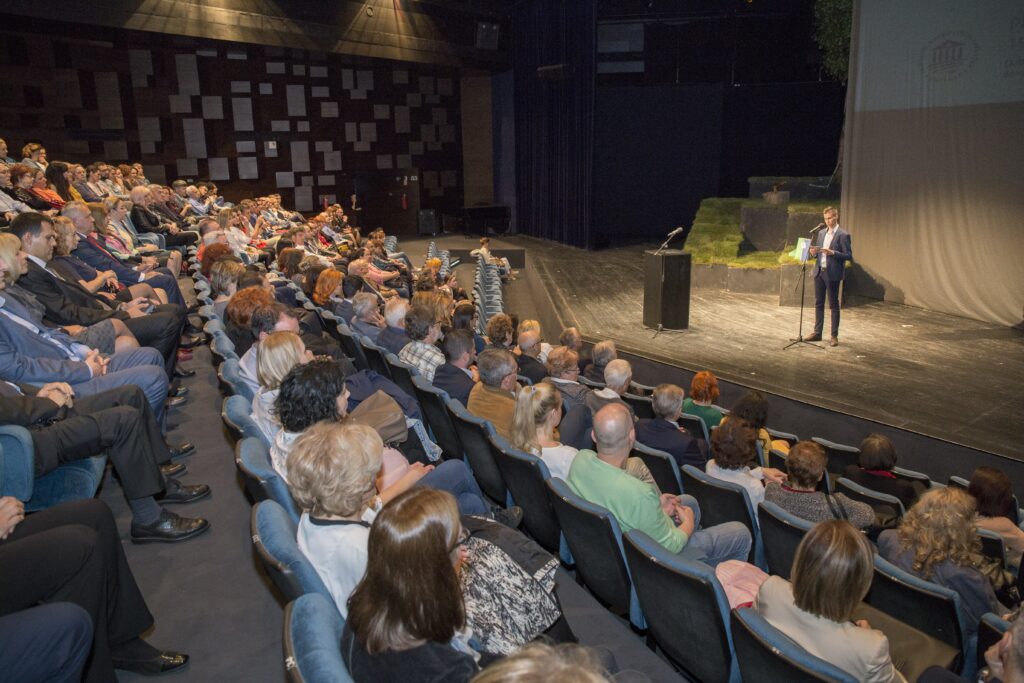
(613, 431)
(529, 343)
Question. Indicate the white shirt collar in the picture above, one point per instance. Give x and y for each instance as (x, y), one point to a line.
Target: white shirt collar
(38, 261)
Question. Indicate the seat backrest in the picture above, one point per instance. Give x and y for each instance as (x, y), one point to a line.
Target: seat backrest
(236, 412)
(312, 632)
(766, 655)
(402, 374)
(75, 480)
(926, 606)
(222, 348)
(230, 375)
(435, 412)
(593, 536)
(990, 631)
(781, 533)
(720, 501)
(641, 405)
(840, 456)
(685, 606)
(695, 425)
(590, 383)
(663, 467)
(473, 432)
(375, 357)
(992, 545)
(876, 499)
(526, 474)
(273, 534)
(353, 349)
(261, 479)
(912, 476)
(776, 434)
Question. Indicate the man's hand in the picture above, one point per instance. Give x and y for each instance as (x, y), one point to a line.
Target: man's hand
(686, 519)
(669, 502)
(12, 511)
(58, 392)
(107, 295)
(146, 246)
(73, 330)
(150, 261)
(995, 657)
(136, 308)
(772, 474)
(96, 363)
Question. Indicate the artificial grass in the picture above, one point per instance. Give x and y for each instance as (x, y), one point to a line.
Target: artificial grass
(716, 238)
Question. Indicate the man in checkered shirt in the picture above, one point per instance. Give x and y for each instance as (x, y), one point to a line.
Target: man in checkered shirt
(424, 331)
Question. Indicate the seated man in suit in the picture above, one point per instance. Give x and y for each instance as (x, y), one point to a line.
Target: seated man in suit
(529, 366)
(96, 255)
(68, 303)
(367, 320)
(494, 396)
(393, 337)
(458, 375)
(119, 423)
(32, 353)
(663, 431)
(672, 521)
(603, 354)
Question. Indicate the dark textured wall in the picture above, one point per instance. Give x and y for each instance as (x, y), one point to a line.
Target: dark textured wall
(254, 118)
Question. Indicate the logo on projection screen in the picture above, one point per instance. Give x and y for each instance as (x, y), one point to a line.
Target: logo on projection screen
(948, 56)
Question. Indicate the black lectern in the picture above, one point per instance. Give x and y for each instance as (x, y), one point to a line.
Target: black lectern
(667, 289)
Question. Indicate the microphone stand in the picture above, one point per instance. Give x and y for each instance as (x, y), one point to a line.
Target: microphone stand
(664, 245)
(803, 287)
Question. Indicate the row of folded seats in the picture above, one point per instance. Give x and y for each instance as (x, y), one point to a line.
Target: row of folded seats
(679, 603)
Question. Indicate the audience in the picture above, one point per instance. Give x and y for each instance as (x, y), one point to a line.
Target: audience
(831, 574)
(618, 375)
(563, 372)
(800, 493)
(735, 460)
(874, 466)
(276, 355)
(997, 510)
(530, 364)
(603, 354)
(494, 397)
(753, 408)
(424, 330)
(393, 337)
(538, 413)
(499, 332)
(672, 521)
(703, 394)
(663, 432)
(936, 540)
(466, 317)
(367, 319)
(458, 374)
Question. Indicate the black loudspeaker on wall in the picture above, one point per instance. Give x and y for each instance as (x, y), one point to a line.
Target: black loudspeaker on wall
(428, 222)
(487, 35)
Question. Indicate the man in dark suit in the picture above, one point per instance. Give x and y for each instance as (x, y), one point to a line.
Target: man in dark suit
(831, 250)
(664, 433)
(68, 303)
(96, 255)
(529, 366)
(456, 377)
(120, 423)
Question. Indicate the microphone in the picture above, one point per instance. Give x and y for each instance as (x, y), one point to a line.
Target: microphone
(676, 231)
(816, 228)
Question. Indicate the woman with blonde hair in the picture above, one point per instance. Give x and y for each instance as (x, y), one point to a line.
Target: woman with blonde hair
(539, 662)
(538, 412)
(937, 541)
(832, 573)
(275, 357)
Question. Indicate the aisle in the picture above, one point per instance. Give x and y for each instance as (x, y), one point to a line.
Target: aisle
(207, 595)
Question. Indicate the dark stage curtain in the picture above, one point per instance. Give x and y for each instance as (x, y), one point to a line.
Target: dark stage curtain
(555, 119)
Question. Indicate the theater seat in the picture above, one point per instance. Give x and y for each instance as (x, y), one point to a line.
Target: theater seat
(71, 481)
(261, 479)
(273, 535)
(766, 655)
(312, 633)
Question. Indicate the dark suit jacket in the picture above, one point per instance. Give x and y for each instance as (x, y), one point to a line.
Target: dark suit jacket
(24, 409)
(662, 435)
(145, 220)
(836, 263)
(454, 382)
(393, 339)
(902, 489)
(101, 261)
(67, 303)
(531, 368)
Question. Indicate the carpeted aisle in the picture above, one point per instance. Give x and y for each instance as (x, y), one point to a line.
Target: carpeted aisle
(207, 595)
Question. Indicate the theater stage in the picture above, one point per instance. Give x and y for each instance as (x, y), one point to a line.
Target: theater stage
(938, 375)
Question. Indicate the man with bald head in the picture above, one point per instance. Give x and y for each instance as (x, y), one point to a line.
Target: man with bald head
(673, 521)
(529, 365)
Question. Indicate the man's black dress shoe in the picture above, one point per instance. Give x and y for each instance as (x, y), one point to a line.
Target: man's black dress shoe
(161, 663)
(184, 372)
(169, 528)
(177, 494)
(190, 341)
(176, 401)
(183, 448)
(813, 337)
(172, 469)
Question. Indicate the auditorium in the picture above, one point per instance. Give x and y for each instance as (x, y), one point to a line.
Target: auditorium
(511, 341)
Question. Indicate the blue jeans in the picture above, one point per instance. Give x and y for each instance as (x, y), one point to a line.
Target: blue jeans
(454, 477)
(728, 541)
(143, 366)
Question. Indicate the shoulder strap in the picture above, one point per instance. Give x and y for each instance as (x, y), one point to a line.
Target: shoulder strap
(835, 507)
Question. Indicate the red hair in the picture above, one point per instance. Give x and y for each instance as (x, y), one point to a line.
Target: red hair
(212, 254)
(704, 387)
(244, 302)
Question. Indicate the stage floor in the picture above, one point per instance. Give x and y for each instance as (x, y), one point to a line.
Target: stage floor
(940, 375)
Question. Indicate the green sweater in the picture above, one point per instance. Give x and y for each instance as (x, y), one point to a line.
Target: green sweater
(636, 505)
(711, 416)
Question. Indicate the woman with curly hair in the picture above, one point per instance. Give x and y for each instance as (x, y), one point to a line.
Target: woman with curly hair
(735, 459)
(936, 540)
(500, 331)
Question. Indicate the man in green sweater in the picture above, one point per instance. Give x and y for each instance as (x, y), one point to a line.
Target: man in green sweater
(673, 521)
